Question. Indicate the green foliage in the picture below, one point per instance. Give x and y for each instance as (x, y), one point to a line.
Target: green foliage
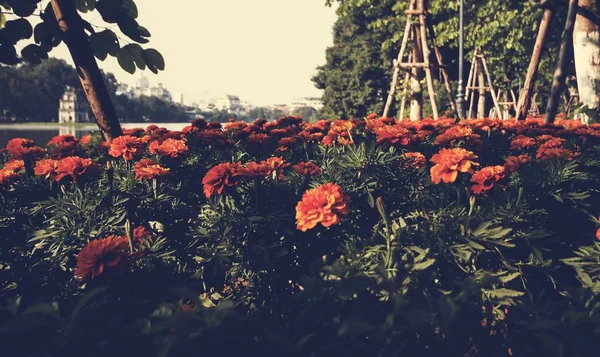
(367, 36)
(47, 34)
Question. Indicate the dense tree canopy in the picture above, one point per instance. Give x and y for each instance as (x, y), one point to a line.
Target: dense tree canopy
(368, 33)
(32, 92)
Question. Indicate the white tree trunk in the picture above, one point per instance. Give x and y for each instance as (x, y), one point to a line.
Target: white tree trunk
(586, 46)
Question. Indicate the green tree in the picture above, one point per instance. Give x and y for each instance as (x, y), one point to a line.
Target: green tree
(368, 33)
(62, 22)
(307, 113)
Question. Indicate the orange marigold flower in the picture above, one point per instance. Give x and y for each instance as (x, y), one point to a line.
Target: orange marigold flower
(73, 166)
(277, 165)
(15, 165)
(140, 234)
(46, 168)
(8, 176)
(549, 153)
(63, 146)
(521, 142)
(258, 138)
(392, 134)
(458, 133)
(414, 159)
(126, 146)
(307, 169)
(170, 147)
(449, 162)
(25, 149)
(484, 179)
(341, 125)
(86, 140)
(146, 169)
(513, 163)
(220, 176)
(99, 255)
(325, 204)
(256, 169)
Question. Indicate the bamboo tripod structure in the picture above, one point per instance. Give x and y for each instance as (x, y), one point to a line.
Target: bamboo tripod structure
(417, 32)
(509, 102)
(479, 63)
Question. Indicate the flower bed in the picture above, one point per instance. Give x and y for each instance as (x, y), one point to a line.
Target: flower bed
(367, 237)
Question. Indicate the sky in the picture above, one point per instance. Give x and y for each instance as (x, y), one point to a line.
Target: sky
(264, 51)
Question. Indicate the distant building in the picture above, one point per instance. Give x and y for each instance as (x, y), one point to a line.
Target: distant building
(71, 109)
(143, 88)
(230, 103)
(313, 102)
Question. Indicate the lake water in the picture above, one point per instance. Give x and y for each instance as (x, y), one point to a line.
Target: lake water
(42, 133)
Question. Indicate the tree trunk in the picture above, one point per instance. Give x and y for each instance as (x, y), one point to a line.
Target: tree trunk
(74, 36)
(586, 37)
(416, 99)
(481, 98)
(559, 73)
(527, 92)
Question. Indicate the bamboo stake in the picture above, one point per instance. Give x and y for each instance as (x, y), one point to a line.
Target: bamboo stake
(559, 73)
(438, 55)
(492, 91)
(525, 95)
(426, 54)
(392, 91)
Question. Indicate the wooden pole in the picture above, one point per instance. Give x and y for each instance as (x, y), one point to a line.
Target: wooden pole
(394, 84)
(491, 84)
(559, 73)
(525, 95)
(94, 87)
(416, 100)
(426, 55)
(404, 91)
(438, 55)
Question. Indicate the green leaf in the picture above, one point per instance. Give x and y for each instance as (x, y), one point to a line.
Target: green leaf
(2, 20)
(154, 60)
(423, 265)
(104, 43)
(504, 293)
(130, 56)
(85, 5)
(130, 8)
(23, 8)
(34, 54)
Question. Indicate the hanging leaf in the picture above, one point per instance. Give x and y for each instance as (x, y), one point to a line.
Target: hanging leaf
(133, 30)
(34, 54)
(131, 8)
(154, 60)
(16, 30)
(85, 5)
(23, 8)
(104, 43)
(131, 56)
(2, 20)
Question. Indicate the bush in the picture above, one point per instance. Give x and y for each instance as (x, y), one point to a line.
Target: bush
(369, 237)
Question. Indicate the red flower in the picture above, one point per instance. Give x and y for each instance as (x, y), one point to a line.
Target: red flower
(449, 162)
(140, 234)
(8, 176)
(548, 153)
(126, 146)
(221, 176)
(258, 138)
(15, 165)
(146, 169)
(255, 169)
(277, 165)
(46, 168)
(307, 169)
(24, 149)
(73, 166)
(325, 204)
(86, 140)
(392, 134)
(170, 147)
(521, 142)
(99, 255)
(513, 163)
(485, 178)
(63, 145)
(414, 159)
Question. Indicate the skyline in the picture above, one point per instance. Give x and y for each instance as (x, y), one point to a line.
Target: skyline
(254, 50)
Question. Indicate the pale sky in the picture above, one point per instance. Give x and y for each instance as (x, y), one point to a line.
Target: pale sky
(264, 51)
